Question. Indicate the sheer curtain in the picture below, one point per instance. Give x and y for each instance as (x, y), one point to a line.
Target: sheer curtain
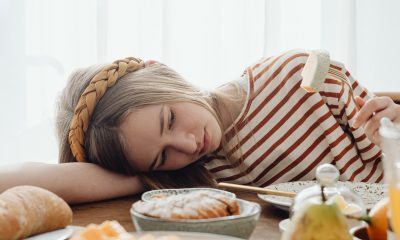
(364, 34)
(208, 41)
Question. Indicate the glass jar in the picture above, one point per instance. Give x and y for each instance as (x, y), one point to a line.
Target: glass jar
(390, 144)
(347, 200)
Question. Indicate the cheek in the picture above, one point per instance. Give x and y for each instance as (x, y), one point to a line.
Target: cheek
(177, 161)
(216, 129)
(217, 138)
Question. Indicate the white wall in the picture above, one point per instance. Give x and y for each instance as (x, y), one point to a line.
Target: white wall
(208, 41)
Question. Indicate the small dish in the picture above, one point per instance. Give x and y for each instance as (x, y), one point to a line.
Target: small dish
(160, 193)
(240, 226)
(284, 224)
(361, 233)
(370, 193)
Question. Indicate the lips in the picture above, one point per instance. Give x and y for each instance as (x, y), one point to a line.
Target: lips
(206, 142)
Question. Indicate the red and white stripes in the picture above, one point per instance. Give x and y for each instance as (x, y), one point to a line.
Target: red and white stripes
(284, 132)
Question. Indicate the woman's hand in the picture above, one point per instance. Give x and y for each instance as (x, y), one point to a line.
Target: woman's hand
(372, 111)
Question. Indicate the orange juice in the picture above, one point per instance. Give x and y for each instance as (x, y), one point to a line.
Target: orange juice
(390, 143)
(394, 195)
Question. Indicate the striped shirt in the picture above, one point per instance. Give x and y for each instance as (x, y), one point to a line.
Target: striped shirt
(284, 132)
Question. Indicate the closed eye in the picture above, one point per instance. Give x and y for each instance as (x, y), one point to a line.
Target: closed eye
(171, 120)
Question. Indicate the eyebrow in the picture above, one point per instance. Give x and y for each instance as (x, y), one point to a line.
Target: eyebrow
(161, 116)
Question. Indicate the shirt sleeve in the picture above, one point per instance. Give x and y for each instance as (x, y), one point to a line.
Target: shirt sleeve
(339, 97)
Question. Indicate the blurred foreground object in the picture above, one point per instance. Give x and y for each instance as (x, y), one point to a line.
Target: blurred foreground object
(390, 137)
(112, 230)
(318, 210)
(29, 210)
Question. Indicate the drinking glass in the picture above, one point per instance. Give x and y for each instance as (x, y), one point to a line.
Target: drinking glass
(390, 143)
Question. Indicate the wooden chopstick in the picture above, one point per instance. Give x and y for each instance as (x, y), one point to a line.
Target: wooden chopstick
(251, 189)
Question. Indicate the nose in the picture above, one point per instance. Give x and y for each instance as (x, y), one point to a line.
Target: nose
(184, 142)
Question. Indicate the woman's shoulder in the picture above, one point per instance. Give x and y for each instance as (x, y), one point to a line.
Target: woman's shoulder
(294, 52)
(276, 67)
(298, 56)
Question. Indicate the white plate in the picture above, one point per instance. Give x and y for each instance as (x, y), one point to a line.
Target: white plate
(186, 235)
(370, 193)
(60, 234)
(284, 224)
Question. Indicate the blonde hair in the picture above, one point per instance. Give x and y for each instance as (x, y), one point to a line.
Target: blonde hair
(103, 143)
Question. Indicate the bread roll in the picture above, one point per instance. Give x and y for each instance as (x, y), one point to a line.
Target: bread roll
(28, 210)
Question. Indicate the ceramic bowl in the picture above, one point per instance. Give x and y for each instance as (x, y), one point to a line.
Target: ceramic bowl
(240, 226)
(360, 233)
(183, 235)
(159, 193)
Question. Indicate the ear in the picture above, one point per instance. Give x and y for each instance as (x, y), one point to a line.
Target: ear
(149, 62)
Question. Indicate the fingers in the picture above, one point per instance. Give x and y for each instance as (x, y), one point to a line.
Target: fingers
(396, 111)
(359, 101)
(376, 138)
(369, 108)
(371, 127)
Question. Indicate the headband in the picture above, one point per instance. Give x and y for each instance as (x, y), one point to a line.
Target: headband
(99, 84)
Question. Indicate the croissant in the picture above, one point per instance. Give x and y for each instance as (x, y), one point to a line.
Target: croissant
(29, 210)
(200, 204)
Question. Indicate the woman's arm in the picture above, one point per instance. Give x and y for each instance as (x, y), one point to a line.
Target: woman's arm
(340, 97)
(393, 95)
(74, 182)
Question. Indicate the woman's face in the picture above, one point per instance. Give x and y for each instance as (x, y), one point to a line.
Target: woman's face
(169, 136)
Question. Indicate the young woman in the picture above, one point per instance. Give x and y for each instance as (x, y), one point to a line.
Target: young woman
(133, 125)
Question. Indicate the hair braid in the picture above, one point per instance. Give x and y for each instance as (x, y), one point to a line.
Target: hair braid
(103, 80)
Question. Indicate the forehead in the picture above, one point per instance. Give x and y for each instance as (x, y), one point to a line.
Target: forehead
(140, 131)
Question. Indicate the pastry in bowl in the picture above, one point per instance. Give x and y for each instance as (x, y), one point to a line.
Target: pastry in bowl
(161, 193)
(196, 210)
(193, 205)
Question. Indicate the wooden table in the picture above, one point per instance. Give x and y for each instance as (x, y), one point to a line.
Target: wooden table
(118, 209)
